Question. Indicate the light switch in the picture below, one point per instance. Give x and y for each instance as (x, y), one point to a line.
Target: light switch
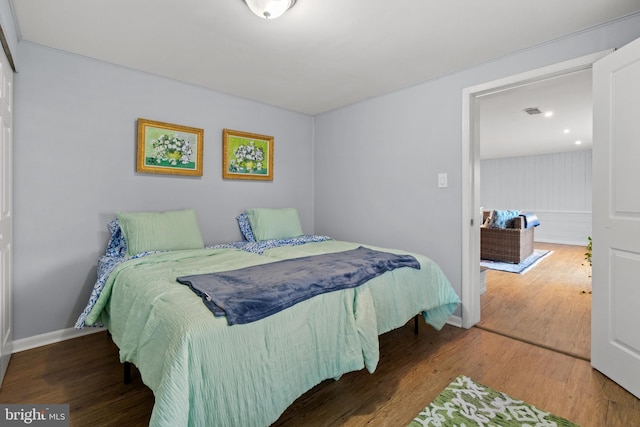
(442, 180)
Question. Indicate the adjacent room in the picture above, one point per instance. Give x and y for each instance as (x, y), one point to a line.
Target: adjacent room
(536, 155)
(156, 155)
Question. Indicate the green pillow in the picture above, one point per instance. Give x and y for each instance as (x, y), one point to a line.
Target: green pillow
(160, 231)
(269, 224)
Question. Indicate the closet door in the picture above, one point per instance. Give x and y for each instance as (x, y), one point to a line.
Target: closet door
(6, 183)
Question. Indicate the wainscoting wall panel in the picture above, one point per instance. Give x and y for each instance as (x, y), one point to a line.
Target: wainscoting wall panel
(569, 228)
(556, 187)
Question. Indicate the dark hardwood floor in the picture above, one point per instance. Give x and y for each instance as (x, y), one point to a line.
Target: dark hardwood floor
(85, 373)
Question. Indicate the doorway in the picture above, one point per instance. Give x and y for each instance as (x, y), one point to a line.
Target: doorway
(471, 214)
(535, 150)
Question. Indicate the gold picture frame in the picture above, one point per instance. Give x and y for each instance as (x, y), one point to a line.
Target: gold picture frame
(246, 155)
(165, 148)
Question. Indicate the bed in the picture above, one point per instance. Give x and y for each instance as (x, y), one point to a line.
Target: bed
(203, 371)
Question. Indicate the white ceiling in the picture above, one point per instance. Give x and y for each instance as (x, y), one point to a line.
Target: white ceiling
(506, 130)
(321, 55)
(325, 54)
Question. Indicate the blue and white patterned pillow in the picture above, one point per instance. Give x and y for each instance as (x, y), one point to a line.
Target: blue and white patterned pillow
(245, 227)
(117, 245)
(260, 246)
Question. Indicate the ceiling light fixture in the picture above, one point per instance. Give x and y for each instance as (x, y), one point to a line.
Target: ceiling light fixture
(578, 142)
(566, 131)
(269, 9)
(548, 114)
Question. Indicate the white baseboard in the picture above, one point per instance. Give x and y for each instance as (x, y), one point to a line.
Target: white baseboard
(570, 242)
(455, 321)
(51, 338)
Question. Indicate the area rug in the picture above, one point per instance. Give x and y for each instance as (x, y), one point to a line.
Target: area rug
(526, 265)
(467, 403)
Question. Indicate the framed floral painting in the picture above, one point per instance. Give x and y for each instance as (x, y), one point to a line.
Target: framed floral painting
(246, 155)
(171, 149)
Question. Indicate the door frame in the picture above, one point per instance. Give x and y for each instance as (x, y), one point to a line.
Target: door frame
(6, 209)
(471, 215)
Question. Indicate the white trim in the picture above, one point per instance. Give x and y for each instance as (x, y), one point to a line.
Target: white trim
(470, 214)
(470, 169)
(455, 321)
(563, 227)
(52, 337)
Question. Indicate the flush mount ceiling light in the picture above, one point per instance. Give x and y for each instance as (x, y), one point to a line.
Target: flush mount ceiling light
(269, 9)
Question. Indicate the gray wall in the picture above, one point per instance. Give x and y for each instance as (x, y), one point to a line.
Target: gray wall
(74, 167)
(556, 187)
(376, 162)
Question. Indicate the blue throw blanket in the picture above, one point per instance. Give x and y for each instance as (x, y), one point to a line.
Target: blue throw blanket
(530, 220)
(253, 293)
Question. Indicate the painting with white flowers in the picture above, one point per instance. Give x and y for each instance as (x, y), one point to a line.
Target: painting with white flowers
(166, 148)
(246, 155)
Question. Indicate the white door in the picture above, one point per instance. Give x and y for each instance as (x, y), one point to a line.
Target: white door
(615, 342)
(6, 182)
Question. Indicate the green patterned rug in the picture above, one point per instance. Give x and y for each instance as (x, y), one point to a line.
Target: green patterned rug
(465, 403)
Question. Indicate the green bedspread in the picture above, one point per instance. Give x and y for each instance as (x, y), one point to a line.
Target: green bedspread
(397, 295)
(205, 373)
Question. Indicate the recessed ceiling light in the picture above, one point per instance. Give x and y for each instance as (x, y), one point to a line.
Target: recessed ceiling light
(578, 142)
(548, 114)
(566, 131)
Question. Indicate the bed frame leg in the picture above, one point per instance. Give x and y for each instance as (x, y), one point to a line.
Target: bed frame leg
(415, 324)
(127, 372)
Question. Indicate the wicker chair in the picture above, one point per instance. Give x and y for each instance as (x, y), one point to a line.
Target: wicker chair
(506, 244)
